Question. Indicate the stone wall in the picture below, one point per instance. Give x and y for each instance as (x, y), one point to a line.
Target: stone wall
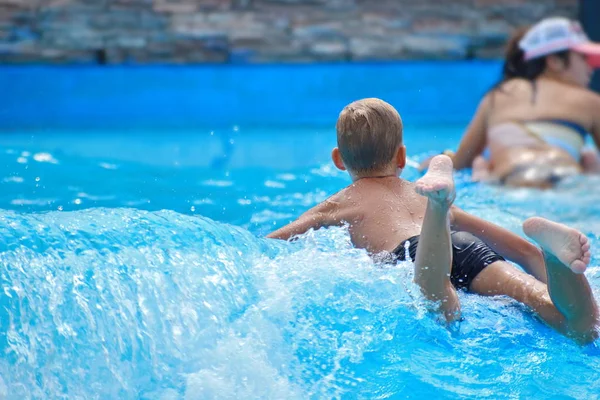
(221, 31)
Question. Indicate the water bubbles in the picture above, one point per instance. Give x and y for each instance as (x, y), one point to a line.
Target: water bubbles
(59, 208)
(202, 202)
(217, 183)
(274, 184)
(286, 177)
(14, 179)
(37, 178)
(192, 209)
(108, 166)
(269, 216)
(45, 157)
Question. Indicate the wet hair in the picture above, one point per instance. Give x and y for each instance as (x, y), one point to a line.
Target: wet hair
(369, 132)
(515, 65)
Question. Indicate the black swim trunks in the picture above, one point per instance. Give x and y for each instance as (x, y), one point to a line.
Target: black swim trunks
(470, 255)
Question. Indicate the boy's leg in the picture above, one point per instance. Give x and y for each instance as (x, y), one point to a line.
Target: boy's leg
(503, 279)
(570, 307)
(433, 261)
(567, 255)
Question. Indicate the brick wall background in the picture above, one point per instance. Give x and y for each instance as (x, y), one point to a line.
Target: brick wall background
(221, 31)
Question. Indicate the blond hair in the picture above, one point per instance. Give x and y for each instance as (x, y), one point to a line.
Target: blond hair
(369, 132)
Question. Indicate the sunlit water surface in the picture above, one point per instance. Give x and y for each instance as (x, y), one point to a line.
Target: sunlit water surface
(135, 266)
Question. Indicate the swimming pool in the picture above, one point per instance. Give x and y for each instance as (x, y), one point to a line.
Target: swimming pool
(133, 266)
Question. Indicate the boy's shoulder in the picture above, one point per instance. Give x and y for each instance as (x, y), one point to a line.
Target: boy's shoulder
(337, 199)
(376, 189)
(366, 188)
(344, 199)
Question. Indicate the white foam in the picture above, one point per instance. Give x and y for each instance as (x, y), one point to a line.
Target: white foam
(45, 157)
(107, 165)
(15, 179)
(217, 183)
(275, 184)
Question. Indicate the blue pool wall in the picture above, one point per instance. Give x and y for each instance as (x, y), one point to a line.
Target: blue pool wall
(217, 96)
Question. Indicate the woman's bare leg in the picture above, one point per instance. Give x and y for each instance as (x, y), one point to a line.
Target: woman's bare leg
(590, 161)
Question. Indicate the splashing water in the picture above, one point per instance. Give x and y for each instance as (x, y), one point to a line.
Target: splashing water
(118, 303)
(102, 300)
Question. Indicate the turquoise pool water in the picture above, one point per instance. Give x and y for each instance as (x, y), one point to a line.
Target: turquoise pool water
(134, 266)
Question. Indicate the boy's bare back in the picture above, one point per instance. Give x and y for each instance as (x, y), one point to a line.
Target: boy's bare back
(381, 213)
(381, 209)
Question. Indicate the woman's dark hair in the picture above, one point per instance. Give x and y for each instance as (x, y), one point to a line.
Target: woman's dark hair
(515, 65)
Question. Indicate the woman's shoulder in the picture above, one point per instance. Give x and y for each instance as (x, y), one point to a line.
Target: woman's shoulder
(568, 92)
(507, 93)
(578, 94)
(590, 94)
(508, 89)
(516, 84)
(592, 100)
(577, 100)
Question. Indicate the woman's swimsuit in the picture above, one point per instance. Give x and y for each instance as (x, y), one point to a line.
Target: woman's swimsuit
(566, 135)
(470, 255)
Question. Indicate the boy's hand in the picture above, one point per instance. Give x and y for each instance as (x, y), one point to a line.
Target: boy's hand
(321, 215)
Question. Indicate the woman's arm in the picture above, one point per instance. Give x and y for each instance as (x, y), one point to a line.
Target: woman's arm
(472, 143)
(475, 138)
(595, 112)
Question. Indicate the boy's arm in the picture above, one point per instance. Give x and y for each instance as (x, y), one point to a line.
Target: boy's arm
(509, 245)
(298, 227)
(315, 218)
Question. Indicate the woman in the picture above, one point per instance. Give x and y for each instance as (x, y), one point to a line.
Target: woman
(530, 128)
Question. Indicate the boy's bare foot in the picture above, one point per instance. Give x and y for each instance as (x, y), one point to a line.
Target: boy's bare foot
(437, 184)
(570, 246)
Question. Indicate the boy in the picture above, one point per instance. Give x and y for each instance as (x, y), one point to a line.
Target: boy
(384, 212)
